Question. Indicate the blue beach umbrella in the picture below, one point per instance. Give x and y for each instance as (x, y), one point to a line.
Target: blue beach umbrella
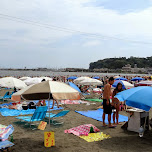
(125, 84)
(74, 86)
(121, 78)
(96, 77)
(139, 97)
(72, 78)
(137, 79)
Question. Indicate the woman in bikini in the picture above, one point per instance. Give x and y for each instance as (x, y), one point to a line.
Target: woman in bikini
(116, 103)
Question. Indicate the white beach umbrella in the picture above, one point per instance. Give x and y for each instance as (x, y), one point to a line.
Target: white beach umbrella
(32, 81)
(49, 90)
(24, 78)
(46, 78)
(10, 82)
(90, 81)
(78, 80)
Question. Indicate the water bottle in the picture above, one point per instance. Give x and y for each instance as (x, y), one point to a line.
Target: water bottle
(141, 131)
(12, 138)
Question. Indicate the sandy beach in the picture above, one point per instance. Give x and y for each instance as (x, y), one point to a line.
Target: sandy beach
(27, 140)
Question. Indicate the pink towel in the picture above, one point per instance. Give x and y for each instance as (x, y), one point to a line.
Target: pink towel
(82, 130)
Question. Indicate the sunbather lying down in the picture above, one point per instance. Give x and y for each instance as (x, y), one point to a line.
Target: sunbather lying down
(17, 107)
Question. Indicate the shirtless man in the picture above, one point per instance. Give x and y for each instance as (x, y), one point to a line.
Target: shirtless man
(106, 102)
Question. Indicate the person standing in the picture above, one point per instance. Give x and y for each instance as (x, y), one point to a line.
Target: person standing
(116, 103)
(107, 109)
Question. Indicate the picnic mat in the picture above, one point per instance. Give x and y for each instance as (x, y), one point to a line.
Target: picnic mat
(73, 102)
(97, 115)
(82, 130)
(96, 100)
(5, 144)
(95, 137)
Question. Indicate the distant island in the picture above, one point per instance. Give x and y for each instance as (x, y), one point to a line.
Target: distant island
(123, 64)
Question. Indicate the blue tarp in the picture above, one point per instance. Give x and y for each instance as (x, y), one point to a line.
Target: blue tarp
(14, 112)
(97, 115)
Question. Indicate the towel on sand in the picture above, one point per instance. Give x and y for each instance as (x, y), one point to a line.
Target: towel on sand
(95, 137)
(82, 130)
(97, 115)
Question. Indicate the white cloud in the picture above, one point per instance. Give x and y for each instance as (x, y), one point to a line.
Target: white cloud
(91, 43)
(72, 14)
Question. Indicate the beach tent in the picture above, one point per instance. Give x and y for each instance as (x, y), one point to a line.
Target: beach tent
(10, 82)
(91, 82)
(48, 90)
(72, 78)
(121, 78)
(138, 97)
(125, 84)
(137, 79)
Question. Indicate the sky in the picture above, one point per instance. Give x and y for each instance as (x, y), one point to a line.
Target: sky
(72, 33)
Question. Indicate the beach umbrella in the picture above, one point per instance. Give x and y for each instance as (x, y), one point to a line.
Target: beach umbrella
(10, 82)
(144, 83)
(31, 81)
(137, 79)
(138, 97)
(96, 77)
(91, 81)
(24, 78)
(50, 90)
(74, 86)
(116, 76)
(46, 78)
(121, 78)
(72, 78)
(76, 81)
(125, 84)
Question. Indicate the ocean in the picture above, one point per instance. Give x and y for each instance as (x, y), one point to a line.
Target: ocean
(18, 73)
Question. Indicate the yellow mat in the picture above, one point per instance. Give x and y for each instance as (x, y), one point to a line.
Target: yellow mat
(95, 137)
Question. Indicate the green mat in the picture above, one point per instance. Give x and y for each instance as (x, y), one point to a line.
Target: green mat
(96, 100)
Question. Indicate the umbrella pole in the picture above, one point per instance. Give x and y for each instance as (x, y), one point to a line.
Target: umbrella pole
(49, 112)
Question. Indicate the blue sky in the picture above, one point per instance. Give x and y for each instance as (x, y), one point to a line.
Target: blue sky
(27, 45)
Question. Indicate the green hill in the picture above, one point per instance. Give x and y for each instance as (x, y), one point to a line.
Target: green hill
(117, 63)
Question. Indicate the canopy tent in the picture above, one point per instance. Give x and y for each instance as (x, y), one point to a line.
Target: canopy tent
(138, 97)
(10, 82)
(125, 84)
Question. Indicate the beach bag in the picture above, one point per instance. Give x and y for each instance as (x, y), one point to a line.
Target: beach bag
(31, 105)
(24, 106)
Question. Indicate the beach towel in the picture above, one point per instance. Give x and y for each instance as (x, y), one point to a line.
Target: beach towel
(82, 130)
(73, 102)
(5, 132)
(95, 100)
(95, 137)
(97, 115)
(5, 144)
